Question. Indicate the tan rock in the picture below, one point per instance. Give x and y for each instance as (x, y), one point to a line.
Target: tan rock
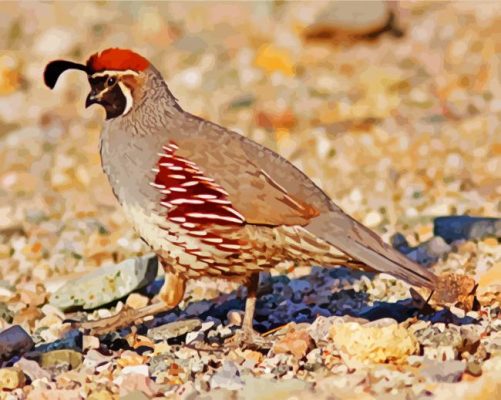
(295, 342)
(374, 343)
(56, 357)
(90, 342)
(11, 378)
(101, 395)
(136, 301)
(489, 285)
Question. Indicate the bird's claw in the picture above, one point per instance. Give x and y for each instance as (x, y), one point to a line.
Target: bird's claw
(249, 339)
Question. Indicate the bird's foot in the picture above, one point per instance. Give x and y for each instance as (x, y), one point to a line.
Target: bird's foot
(126, 317)
(249, 339)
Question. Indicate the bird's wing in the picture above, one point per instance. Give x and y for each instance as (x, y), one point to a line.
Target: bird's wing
(266, 189)
(225, 157)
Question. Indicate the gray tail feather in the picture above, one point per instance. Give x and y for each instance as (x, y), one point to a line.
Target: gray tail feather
(359, 242)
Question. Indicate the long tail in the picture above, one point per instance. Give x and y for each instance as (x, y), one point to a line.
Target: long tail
(359, 242)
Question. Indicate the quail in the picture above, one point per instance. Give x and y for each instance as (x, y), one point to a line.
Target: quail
(211, 202)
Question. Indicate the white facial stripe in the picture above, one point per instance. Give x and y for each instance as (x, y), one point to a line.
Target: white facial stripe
(102, 92)
(128, 97)
(113, 72)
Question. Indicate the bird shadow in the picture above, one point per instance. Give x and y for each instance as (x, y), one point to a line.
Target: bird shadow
(323, 292)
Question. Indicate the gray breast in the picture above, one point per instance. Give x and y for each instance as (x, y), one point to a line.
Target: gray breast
(128, 160)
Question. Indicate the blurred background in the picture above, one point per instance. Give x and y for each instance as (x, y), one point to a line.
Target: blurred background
(393, 109)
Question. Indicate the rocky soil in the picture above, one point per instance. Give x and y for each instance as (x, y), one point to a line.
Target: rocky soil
(397, 120)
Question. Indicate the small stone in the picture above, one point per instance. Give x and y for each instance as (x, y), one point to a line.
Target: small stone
(14, 341)
(374, 344)
(440, 353)
(443, 371)
(207, 325)
(460, 227)
(430, 251)
(135, 395)
(235, 317)
(104, 395)
(320, 328)
(32, 369)
(134, 383)
(224, 332)
(193, 337)
(474, 368)
(373, 219)
(263, 388)
(227, 377)
(5, 313)
(489, 285)
(90, 342)
(313, 360)
(137, 301)
(58, 357)
(351, 19)
(11, 378)
(295, 342)
(107, 284)
(174, 329)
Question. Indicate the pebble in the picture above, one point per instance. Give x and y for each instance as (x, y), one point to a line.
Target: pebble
(11, 378)
(463, 227)
(228, 377)
(89, 342)
(351, 19)
(443, 371)
(374, 344)
(5, 313)
(295, 342)
(58, 357)
(32, 369)
(14, 341)
(259, 388)
(235, 317)
(137, 301)
(106, 284)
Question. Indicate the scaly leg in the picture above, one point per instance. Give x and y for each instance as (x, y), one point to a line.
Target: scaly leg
(248, 337)
(171, 294)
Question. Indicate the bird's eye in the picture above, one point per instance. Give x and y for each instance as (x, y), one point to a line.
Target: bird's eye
(111, 81)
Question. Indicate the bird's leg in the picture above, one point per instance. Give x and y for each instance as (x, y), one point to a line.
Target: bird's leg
(248, 337)
(170, 295)
(250, 304)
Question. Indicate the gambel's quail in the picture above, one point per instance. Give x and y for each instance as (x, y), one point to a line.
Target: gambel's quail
(209, 201)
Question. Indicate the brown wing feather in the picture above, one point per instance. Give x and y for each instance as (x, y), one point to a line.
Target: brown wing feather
(252, 191)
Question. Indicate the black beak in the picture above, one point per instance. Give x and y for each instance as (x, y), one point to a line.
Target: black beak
(91, 99)
(55, 68)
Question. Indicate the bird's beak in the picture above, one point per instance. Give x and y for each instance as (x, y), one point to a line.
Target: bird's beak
(92, 98)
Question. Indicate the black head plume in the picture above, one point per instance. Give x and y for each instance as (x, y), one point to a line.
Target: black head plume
(56, 68)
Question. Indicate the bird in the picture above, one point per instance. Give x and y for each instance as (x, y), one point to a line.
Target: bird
(211, 202)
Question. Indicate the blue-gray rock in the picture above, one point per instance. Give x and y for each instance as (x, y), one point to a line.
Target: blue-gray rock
(14, 341)
(72, 340)
(464, 227)
(429, 252)
(108, 283)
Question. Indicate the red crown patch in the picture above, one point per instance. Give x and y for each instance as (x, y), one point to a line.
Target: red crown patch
(117, 60)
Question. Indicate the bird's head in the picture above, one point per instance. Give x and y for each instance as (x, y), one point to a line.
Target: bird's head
(115, 75)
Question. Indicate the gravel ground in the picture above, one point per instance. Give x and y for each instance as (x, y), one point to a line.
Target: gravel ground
(397, 129)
